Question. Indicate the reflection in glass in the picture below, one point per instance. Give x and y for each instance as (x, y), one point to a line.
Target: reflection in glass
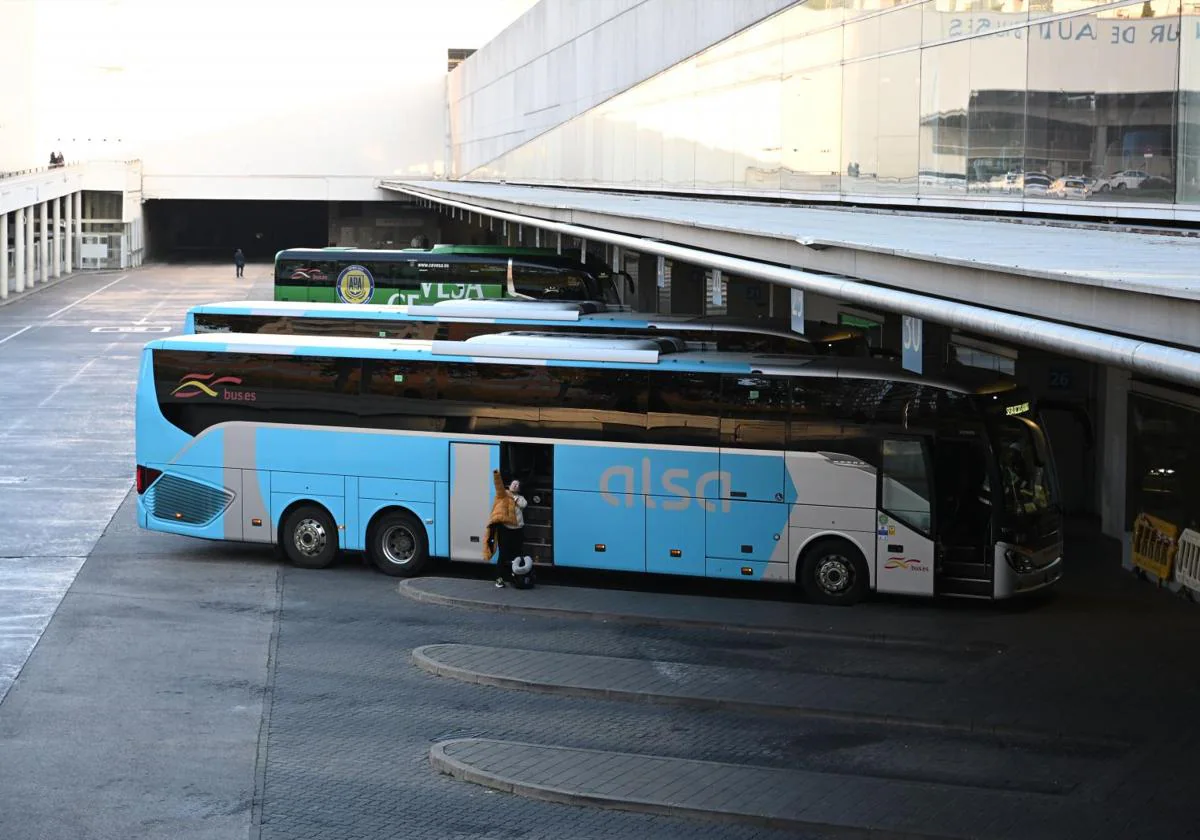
(945, 114)
(1188, 189)
(1101, 101)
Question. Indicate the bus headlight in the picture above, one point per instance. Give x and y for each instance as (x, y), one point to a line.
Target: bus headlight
(1018, 561)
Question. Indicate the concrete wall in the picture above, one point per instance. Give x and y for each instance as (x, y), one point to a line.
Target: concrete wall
(257, 100)
(17, 147)
(565, 56)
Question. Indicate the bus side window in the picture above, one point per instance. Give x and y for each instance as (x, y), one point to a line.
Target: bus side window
(400, 395)
(596, 404)
(755, 411)
(905, 490)
(684, 408)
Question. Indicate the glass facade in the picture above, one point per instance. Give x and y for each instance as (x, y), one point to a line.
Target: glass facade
(1041, 102)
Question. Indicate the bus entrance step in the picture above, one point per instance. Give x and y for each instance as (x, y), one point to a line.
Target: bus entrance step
(964, 587)
(965, 569)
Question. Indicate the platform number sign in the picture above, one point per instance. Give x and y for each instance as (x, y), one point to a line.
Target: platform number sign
(913, 344)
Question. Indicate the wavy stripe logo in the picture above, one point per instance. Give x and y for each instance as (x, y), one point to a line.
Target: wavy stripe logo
(195, 384)
(901, 563)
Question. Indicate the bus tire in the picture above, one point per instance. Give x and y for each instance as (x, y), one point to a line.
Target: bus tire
(833, 571)
(397, 544)
(309, 537)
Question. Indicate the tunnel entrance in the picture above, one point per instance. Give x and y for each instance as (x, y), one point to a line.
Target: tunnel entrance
(198, 230)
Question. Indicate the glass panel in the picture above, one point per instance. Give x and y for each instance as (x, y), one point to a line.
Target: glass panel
(677, 114)
(996, 113)
(756, 82)
(881, 113)
(906, 483)
(945, 118)
(1188, 189)
(1101, 105)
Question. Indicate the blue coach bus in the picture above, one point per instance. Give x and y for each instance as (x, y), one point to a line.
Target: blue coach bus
(460, 320)
(638, 454)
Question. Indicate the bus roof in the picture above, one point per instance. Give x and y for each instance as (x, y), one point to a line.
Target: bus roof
(551, 349)
(522, 313)
(541, 255)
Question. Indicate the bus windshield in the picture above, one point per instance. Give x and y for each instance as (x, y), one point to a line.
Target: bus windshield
(1025, 467)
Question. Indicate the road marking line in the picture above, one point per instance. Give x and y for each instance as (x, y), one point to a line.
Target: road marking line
(17, 333)
(85, 297)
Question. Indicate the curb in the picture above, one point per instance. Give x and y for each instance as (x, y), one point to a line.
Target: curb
(464, 772)
(422, 660)
(408, 588)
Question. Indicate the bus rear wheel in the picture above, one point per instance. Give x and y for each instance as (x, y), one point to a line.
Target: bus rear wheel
(397, 544)
(309, 537)
(834, 572)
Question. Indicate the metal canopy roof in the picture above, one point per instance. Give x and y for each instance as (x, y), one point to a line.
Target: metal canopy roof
(1160, 264)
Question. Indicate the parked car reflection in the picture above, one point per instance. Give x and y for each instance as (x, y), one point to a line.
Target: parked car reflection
(1069, 188)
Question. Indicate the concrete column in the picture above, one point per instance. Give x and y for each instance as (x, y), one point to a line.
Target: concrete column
(1113, 450)
(3, 256)
(19, 250)
(687, 289)
(70, 233)
(56, 239)
(30, 248)
(44, 242)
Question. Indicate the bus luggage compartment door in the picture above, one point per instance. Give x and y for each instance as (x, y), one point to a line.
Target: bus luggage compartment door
(471, 492)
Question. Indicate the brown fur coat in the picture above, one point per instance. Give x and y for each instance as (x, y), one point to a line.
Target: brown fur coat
(504, 512)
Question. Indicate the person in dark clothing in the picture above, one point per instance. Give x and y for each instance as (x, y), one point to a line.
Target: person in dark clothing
(239, 260)
(511, 537)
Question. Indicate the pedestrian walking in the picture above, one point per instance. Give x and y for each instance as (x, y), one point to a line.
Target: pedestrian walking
(239, 261)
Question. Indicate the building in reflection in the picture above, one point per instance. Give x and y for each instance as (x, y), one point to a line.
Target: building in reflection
(868, 99)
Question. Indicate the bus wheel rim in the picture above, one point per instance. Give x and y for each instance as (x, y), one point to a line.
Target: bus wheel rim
(310, 537)
(399, 545)
(835, 574)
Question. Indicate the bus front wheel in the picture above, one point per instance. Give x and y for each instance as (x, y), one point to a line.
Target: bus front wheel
(834, 572)
(309, 537)
(397, 544)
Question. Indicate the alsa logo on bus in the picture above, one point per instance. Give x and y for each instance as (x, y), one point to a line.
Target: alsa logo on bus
(204, 384)
(672, 482)
(429, 292)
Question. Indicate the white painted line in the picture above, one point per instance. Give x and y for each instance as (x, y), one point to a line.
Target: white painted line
(14, 335)
(85, 297)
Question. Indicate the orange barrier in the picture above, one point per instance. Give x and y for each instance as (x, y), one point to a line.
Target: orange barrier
(1154, 545)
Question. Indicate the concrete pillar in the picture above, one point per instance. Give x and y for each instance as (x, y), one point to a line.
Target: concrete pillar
(30, 248)
(3, 256)
(646, 299)
(19, 250)
(44, 242)
(56, 239)
(1113, 450)
(70, 233)
(687, 289)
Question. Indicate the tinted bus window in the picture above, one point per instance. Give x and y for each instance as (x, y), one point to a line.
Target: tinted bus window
(493, 398)
(684, 408)
(401, 395)
(754, 411)
(596, 404)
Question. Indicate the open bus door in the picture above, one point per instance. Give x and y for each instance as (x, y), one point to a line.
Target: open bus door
(904, 545)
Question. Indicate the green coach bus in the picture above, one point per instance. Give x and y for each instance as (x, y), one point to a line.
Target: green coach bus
(443, 272)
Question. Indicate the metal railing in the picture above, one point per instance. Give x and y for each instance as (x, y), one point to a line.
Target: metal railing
(37, 170)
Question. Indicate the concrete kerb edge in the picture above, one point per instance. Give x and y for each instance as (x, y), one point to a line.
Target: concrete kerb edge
(14, 297)
(408, 589)
(421, 659)
(464, 772)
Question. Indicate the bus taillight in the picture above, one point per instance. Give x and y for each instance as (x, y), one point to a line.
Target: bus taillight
(146, 477)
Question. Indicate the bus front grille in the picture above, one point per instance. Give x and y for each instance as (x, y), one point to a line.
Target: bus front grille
(178, 499)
